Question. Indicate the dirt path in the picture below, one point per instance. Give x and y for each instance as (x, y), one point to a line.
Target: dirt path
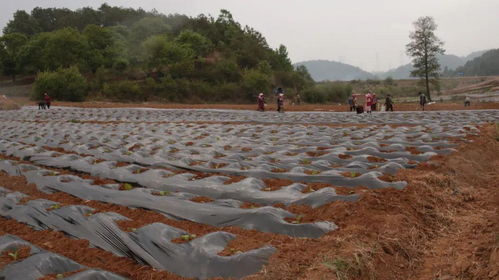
(270, 107)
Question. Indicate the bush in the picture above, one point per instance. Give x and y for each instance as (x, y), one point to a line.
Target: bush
(254, 82)
(123, 91)
(327, 92)
(64, 84)
(120, 65)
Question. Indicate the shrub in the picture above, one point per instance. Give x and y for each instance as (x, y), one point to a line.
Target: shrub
(123, 91)
(120, 65)
(254, 82)
(327, 92)
(64, 84)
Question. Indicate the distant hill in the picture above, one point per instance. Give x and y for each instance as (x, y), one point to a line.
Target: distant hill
(325, 70)
(449, 61)
(485, 65)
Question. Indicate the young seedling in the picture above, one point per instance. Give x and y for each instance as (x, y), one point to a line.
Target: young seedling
(298, 219)
(14, 255)
(164, 193)
(127, 187)
(188, 237)
(306, 161)
(54, 206)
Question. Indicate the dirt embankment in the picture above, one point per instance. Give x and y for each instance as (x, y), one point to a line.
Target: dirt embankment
(488, 85)
(7, 104)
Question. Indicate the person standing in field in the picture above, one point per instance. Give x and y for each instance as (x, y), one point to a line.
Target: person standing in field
(422, 100)
(280, 103)
(374, 102)
(467, 101)
(261, 102)
(350, 103)
(297, 99)
(389, 103)
(369, 102)
(46, 98)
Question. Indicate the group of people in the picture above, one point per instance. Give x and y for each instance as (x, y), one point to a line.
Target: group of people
(280, 101)
(369, 103)
(45, 103)
(359, 103)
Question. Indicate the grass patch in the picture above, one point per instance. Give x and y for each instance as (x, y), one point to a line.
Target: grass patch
(341, 267)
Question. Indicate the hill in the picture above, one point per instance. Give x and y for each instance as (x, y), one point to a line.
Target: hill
(325, 70)
(485, 65)
(448, 63)
(125, 54)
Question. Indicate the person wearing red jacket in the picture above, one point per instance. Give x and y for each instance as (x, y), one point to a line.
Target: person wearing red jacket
(369, 102)
(46, 98)
(261, 102)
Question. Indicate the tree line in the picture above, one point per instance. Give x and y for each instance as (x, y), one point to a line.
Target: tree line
(133, 55)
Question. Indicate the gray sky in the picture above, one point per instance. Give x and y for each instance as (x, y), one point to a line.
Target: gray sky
(370, 34)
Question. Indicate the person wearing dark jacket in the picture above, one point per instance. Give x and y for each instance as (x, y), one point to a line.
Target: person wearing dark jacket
(388, 103)
(422, 100)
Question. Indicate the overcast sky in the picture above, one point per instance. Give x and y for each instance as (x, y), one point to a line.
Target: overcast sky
(371, 34)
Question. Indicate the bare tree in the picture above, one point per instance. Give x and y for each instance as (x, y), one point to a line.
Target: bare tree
(424, 48)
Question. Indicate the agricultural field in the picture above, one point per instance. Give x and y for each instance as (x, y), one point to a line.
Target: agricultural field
(123, 193)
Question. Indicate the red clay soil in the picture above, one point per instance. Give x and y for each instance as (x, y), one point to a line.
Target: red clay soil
(274, 184)
(234, 179)
(343, 156)
(443, 225)
(201, 199)
(413, 150)
(375, 159)
(79, 251)
(9, 256)
(316, 154)
(60, 275)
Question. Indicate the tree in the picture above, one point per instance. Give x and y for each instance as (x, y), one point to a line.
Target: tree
(22, 23)
(10, 53)
(63, 84)
(423, 49)
(197, 42)
(254, 82)
(161, 52)
(103, 50)
(65, 47)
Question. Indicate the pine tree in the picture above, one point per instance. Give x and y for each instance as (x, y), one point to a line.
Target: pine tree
(424, 48)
